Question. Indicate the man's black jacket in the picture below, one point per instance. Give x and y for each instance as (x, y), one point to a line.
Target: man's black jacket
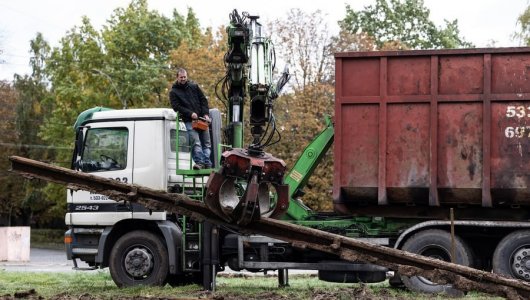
(187, 99)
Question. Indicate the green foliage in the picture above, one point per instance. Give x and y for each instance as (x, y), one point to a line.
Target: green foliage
(402, 24)
(74, 86)
(523, 33)
(124, 64)
(300, 117)
(203, 58)
(304, 42)
(137, 43)
(47, 238)
(347, 41)
(130, 63)
(11, 196)
(30, 110)
(299, 113)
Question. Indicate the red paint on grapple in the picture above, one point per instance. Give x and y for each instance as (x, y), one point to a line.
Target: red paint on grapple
(238, 164)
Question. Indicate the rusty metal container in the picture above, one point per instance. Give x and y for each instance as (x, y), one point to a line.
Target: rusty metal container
(432, 128)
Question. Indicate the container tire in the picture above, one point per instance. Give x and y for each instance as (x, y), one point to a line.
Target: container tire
(436, 243)
(512, 255)
(139, 258)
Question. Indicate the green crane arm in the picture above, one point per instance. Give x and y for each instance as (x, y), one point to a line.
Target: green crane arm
(297, 178)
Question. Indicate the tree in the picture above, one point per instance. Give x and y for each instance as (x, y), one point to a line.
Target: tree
(137, 43)
(75, 87)
(303, 42)
(31, 109)
(300, 116)
(523, 21)
(124, 64)
(347, 41)
(11, 196)
(403, 23)
(299, 112)
(203, 58)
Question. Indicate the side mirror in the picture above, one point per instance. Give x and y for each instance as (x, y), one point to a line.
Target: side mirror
(79, 141)
(78, 150)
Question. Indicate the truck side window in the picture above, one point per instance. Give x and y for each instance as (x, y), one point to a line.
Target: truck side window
(105, 149)
(183, 141)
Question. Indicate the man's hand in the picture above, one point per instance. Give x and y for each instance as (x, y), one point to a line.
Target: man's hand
(194, 116)
(207, 118)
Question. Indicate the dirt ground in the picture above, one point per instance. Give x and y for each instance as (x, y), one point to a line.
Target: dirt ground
(360, 293)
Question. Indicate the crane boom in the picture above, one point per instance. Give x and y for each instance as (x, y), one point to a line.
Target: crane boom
(249, 62)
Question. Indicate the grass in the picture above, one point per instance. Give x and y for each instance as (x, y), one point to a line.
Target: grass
(99, 285)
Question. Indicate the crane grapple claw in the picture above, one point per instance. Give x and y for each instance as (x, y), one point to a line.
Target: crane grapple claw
(239, 192)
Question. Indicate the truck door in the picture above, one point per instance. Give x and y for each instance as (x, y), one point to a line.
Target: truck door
(182, 154)
(107, 152)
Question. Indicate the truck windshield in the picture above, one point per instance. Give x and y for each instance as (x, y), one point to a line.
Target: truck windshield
(105, 149)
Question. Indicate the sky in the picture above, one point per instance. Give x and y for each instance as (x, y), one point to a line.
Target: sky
(480, 21)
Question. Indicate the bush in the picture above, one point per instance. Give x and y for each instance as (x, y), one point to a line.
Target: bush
(47, 238)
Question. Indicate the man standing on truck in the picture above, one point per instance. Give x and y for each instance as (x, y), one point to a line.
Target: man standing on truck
(188, 100)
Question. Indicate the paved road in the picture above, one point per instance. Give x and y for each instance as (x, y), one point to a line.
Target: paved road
(42, 260)
(49, 260)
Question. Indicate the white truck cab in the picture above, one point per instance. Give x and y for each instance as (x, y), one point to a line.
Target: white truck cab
(142, 147)
(135, 146)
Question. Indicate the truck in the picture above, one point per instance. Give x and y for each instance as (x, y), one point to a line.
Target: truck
(430, 157)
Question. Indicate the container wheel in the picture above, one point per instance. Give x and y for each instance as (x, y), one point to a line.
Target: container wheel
(512, 255)
(436, 243)
(139, 257)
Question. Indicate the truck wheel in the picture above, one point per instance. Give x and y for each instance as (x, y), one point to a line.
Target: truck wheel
(139, 257)
(512, 255)
(436, 243)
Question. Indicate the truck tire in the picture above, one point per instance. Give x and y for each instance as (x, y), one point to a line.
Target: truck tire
(139, 257)
(436, 243)
(512, 255)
